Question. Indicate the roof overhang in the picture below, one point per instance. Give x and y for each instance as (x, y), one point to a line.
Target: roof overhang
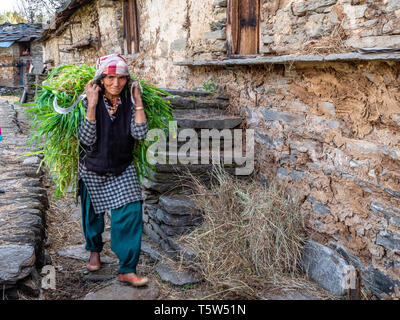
(6, 44)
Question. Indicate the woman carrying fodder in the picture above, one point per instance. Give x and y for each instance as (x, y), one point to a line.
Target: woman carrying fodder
(106, 132)
(251, 237)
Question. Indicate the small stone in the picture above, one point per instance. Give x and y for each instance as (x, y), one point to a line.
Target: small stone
(31, 162)
(179, 45)
(175, 277)
(154, 254)
(218, 34)
(178, 220)
(177, 204)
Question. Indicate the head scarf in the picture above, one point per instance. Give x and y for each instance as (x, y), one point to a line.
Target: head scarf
(111, 64)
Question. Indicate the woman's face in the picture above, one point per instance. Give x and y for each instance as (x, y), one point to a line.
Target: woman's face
(114, 83)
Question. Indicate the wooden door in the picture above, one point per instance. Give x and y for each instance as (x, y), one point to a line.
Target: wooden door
(243, 27)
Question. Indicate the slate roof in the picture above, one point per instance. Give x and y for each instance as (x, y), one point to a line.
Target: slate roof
(20, 32)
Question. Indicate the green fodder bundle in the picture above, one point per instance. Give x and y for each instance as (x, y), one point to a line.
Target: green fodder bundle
(251, 237)
(57, 134)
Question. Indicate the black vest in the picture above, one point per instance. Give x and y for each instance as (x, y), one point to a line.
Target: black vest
(113, 150)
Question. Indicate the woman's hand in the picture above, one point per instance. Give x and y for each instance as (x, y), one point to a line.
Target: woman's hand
(92, 94)
(137, 96)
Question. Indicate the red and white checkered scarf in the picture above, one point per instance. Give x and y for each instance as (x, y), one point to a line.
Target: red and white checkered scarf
(111, 64)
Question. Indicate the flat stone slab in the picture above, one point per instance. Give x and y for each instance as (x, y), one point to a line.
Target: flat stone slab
(16, 262)
(177, 204)
(350, 56)
(222, 122)
(325, 267)
(79, 252)
(178, 220)
(175, 277)
(119, 291)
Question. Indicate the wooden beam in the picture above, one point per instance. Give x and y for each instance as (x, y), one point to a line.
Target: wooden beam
(127, 34)
(135, 26)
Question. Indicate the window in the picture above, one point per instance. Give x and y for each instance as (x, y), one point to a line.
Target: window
(24, 49)
(243, 27)
(131, 27)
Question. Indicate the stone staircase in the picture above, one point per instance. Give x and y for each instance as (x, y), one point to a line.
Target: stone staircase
(168, 211)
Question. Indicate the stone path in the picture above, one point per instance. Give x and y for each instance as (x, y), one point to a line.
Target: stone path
(22, 205)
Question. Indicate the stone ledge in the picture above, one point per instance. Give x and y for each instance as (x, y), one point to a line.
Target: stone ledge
(337, 57)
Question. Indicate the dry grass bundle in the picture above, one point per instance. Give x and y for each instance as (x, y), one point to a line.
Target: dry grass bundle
(251, 237)
(334, 43)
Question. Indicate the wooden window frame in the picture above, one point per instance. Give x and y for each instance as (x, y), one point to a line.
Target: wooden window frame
(233, 29)
(131, 27)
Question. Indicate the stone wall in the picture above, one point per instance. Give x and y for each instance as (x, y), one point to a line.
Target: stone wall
(23, 203)
(331, 132)
(328, 130)
(328, 25)
(9, 75)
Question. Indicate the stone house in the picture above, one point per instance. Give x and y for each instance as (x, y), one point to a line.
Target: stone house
(20, 54)
(317, 80)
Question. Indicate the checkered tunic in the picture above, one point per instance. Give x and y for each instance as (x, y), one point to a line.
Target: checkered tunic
(109, 191)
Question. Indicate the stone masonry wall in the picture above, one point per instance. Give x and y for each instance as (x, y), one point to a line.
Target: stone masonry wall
(331, 132)
(328, 130)
(8, 73)
(293, 26)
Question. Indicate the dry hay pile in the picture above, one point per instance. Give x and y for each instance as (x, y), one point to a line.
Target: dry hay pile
(251, 238)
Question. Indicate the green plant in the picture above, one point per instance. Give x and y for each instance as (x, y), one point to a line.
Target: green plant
(209, 86)
(56, 134)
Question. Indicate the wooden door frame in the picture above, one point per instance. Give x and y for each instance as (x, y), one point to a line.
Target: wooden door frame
(131, 26)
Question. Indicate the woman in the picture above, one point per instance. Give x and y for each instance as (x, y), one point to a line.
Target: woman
(107, 177)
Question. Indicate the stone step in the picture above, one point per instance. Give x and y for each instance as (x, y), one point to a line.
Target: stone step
(216, 122)
(186, 113)
(198, 143)
(178, 102)
(203, 158)
(182, 168)
(195, 93)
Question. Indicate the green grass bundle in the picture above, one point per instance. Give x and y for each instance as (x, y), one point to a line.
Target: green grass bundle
(57, 134)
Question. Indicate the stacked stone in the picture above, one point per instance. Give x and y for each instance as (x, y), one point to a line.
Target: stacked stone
(171, 216)
(168, 208)
(10, 90)
(30, 84)
(23, 203)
